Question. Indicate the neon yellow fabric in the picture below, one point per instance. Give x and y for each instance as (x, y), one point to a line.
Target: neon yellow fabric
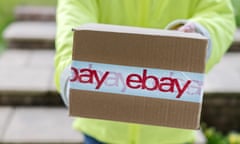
(215, 15)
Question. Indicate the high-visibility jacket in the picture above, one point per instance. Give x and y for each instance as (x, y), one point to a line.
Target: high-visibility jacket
(214, 15)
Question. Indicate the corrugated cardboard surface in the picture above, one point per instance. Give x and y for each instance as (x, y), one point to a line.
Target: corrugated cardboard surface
(135, 109)
(173, 51)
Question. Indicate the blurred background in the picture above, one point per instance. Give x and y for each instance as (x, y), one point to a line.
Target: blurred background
(31, 111)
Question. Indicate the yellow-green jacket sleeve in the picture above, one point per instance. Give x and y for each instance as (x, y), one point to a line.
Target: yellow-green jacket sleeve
(70, 14)
(218, 18)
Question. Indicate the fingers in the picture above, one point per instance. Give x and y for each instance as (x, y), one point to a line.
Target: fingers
(189, 28)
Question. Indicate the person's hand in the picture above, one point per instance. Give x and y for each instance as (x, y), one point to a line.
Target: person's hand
(188, 27)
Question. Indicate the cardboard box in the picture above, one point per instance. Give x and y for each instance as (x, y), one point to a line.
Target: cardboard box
(137, 75)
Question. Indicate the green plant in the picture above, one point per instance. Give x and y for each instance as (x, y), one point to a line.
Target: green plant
(215, 137)
(236, 5)
(234, 138)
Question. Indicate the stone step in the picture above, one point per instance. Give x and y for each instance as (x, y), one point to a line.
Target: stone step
(26, 78)
(30, 35)
(224, 78)
(37, 125)
(222, 112)
(221, 102)
(235, 47)
(35, 13)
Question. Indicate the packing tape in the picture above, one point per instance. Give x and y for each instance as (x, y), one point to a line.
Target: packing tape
(137, 81)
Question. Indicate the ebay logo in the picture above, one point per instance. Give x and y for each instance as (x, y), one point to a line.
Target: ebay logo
(135, 80)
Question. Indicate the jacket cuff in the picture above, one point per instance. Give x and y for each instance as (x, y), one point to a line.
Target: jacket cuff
(175, 24)
(198, 28)
(202, 30)
(64, 85)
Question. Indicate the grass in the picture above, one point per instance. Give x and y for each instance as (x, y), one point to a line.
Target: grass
(7, 12)
(2, 47)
